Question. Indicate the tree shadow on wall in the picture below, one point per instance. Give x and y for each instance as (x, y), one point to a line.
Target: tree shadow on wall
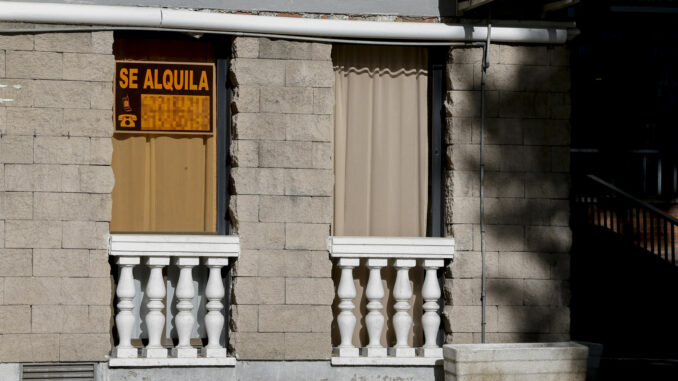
(526, 193)
(527, 206)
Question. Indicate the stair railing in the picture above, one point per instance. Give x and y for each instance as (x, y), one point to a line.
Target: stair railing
(601, 204)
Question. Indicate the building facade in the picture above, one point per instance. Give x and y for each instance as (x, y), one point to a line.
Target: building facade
(70, 277)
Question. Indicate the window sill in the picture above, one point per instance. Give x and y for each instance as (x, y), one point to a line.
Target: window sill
(174, 245)
(431, 248)
(386, 361)
(170, 362)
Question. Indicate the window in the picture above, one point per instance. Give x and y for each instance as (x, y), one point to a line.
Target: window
(170, 165)
(388, 162)
(388, 141)
(169, 148)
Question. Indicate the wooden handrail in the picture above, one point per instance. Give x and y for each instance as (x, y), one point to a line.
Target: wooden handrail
(601, 204)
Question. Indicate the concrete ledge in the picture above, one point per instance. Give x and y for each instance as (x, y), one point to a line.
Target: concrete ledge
(171, 362)
(391, 247)
(10, 372)
(386, 361)
(275, 371)
(522, 361)
(174, 245)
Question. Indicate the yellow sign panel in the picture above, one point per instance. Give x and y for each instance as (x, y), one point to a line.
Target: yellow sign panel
(164, 97)
(175, 112)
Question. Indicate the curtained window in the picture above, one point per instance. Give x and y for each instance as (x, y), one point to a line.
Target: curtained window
(381, 163)
(381, 141)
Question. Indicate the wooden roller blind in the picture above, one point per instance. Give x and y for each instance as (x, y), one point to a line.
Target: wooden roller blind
(164, 183)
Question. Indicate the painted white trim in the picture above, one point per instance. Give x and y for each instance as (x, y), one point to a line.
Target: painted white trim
(224, 22)
(386, 361)
(162, 362)
(10, 372)
(174, 245)
(391, 247)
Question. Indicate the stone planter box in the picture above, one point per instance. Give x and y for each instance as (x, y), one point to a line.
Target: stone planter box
(515, 362)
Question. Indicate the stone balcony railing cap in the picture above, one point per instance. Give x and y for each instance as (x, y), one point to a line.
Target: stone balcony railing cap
(515, 351)
(391, 247)
(174, 245)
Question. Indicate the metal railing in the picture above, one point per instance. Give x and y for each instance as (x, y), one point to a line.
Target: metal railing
(601, 204)
(646, 173)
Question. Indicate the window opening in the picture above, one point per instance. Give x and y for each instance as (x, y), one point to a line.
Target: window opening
(171, 135)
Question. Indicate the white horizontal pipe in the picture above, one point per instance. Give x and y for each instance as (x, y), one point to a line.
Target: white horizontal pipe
(79, 14)
(209, 21)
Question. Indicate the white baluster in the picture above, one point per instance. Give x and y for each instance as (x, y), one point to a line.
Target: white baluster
(374, 319)
(431, 320)
(346, 320)
(155, 318)
(214, 319)
(402, 321)
(184, 320)
(124, 320)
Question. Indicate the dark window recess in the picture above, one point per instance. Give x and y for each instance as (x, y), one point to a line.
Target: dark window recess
(625, 101)
(437, 62)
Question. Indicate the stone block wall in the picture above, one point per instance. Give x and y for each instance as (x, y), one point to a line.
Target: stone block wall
(56, 294)
(281, 203)
(526, 194)
(56, 102)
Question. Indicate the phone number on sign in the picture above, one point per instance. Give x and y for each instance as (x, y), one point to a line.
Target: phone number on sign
(175, 112)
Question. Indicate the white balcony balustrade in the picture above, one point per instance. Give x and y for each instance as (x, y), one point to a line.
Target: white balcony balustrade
(146, 309)
(403, 254)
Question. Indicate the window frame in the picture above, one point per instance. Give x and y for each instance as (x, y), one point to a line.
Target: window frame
(437, 61)
(221, 46)
(224, 96)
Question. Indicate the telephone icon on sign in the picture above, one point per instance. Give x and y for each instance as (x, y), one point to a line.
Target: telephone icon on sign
(125, 104)
(127, 120)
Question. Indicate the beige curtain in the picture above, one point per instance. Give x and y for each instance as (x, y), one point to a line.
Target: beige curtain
(381, 141)
(381, 162)
(164, 183)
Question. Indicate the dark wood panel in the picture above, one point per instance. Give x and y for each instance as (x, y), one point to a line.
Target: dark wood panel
(156, 46)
